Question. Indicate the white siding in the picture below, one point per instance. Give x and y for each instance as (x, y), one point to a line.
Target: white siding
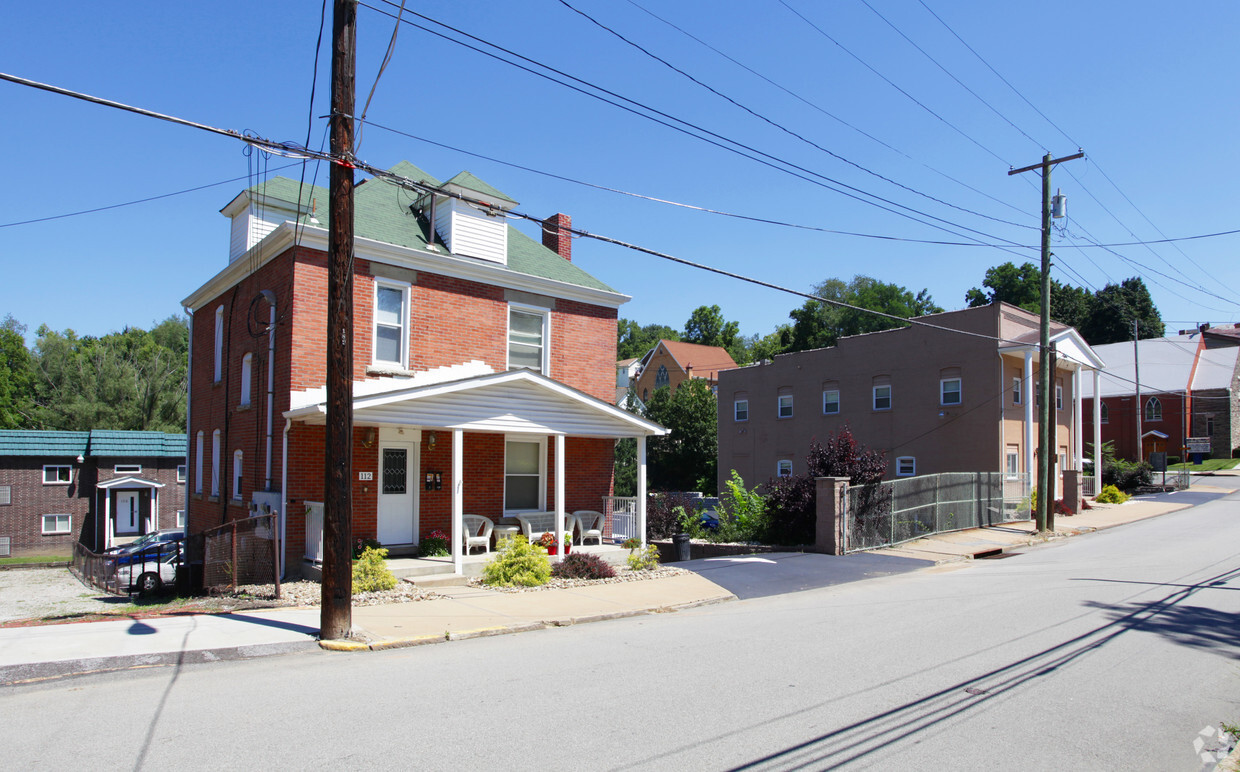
(253, 225)
(469, 232)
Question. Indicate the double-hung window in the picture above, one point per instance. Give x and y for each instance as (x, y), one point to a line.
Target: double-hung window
(949, 391)
(391, 331)
(1016, 390)
(830, 401)
(527, 339)
(219, 343)
(785, 406)
(1013, 461)
(525, 471)
(882, 397)
(215, 463)
(741, 409)
(247, 376)
(1059, 398)
(198, 464)
(236, 475)
(783, 467)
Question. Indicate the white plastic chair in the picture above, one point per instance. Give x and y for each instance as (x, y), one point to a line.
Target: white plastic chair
(590, 523)
(477, 532)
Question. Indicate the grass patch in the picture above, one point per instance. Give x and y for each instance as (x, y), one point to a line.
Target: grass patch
(1208, 465)
(24, 559)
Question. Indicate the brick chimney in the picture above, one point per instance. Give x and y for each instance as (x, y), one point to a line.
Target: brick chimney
(556, 236)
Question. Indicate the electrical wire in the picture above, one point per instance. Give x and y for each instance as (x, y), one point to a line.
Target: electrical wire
(387, 57)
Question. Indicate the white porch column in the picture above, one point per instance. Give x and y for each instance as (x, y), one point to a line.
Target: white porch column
(1078, 421)
(559, 495)
(1028, 396)
(1097, 431)
(641, 489)
(458, 498)
(152, 518)
(110, 529)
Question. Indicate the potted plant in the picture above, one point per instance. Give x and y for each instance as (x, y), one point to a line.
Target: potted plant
(687, 524)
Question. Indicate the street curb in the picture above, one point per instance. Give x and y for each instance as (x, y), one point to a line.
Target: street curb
(33, 672)
(343, 646)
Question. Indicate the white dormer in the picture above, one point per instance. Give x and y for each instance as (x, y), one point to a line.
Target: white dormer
(253, 217)
(473, 230)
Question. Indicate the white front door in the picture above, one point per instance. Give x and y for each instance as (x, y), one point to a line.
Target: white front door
(396, 491)
(126, 512)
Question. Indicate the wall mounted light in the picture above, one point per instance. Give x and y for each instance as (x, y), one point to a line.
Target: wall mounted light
(368, 438)
(431, 439)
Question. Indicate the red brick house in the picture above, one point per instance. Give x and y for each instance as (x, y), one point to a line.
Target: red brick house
(97, 488)
(483, 366)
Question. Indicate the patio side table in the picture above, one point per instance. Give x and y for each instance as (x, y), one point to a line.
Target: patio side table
(502, 532)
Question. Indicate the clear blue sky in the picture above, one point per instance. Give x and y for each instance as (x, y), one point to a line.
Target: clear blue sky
(1148, 90)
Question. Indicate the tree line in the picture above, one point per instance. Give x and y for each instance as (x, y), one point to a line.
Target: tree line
(134, 379)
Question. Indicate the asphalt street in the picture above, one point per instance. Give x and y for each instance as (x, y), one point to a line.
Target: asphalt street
(1113, 650)
(757, 576)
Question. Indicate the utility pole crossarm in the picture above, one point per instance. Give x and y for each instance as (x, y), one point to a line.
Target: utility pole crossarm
(1045, 164)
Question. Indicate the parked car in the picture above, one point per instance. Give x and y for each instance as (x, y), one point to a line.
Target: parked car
(148, 540)
(148, 570)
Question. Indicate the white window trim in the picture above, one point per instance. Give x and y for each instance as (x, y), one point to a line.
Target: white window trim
(404, 324)
(1146, 412)
(247, 377)
(783, 467)
(545, 313)
(198, 444)
(237, 466)
(1009, 454)
(127, 469)
(779, 406)
(874, 395)
(736, 410)
(1016, 393)
(912, 471)
(57, 481)
(219, 343)
(182, 473)
(1058, 397)
(6, 495)
(825, 392)
(180, 518)
(215, 463)
(943, 392)
(542, 470)
(56, 531)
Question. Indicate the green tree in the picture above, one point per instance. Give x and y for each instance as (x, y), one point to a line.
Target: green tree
(1115, 308)
(686, 458)
(707, 326)
(818, 324)
(16, 376)
(634, 340)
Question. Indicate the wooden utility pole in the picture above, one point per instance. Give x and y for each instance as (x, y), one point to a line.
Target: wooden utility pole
(1136, 377)
(1044, 484)
(336, 614)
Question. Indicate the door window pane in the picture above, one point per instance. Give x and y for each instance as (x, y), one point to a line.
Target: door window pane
(395, 470)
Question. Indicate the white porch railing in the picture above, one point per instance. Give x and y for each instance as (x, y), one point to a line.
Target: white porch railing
(314, 531)
(620, 517)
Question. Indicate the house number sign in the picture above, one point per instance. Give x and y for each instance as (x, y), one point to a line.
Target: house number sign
(365, 475)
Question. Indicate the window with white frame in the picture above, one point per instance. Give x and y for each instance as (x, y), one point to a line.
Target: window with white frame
(906, 466)
(198, 464)
(527, 339)
(1153, 409)
(236, 475)
(882, 397)
(180, 518)
(1059, 398)
(6, 495)
(215, 463)
(1012, 461)
(949, 391)
(1104, 415)
(247, 376)
(525, 474)
(57, 474)
(127, 469)
(219, 344)
(181, 472)
(391, 324)
(830, 401)
(785, 406)
(783, 467)
(1016, 382)
(740, 409)
(57, 524)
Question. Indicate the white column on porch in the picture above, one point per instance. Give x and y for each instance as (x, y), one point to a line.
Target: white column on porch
(1028, 396)
(559, 494)
(107, 519)
(458, 498)
(1097, 432)
(641, 488)
(1078, 421)
(152, 518)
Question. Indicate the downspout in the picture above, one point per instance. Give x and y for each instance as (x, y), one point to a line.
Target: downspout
(189, 390)
(288, 422)
(271, 373)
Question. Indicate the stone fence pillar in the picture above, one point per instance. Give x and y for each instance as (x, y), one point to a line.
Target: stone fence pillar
(832, 522)
(1072, 490)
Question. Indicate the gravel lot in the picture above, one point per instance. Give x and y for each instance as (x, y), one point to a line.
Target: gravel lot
(33, 593)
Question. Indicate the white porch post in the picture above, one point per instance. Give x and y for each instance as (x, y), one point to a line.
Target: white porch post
(1028, 396)
(1097, 432)
(1078, 421)
(559, 494)
(152, 518)
(458, 498)
(641, 488)
(110, 529)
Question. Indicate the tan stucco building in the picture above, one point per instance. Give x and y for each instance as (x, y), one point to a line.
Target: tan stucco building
(953, 393)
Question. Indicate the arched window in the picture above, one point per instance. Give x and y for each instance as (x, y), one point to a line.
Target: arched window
(236, 475)
(1104, 415)
(660, 378)
(1153, 409)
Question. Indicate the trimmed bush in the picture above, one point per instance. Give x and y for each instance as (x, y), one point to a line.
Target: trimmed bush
(518, 564)
(582, 565)
(370, 572)
(1111, 495)
(644, 560)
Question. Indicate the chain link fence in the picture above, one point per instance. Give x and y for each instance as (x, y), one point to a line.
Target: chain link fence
(242, 552)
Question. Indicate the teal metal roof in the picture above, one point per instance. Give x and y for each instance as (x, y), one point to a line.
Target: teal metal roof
(114, 444)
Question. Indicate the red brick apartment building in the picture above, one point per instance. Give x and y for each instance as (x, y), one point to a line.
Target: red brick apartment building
(483, 366)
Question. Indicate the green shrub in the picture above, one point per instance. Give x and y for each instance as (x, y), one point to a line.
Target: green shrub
(743, 514)
(1111, 495)
(583, 565)
(370, 573)
(434, 546)
(644, 560)
(518, 564)
(361, 545)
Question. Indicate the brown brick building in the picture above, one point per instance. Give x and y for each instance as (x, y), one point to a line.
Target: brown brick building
(672, 362)
(99, 488)
(483, 365)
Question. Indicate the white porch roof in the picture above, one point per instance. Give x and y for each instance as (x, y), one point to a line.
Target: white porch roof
(1072, 349)
(517, 401)
(129, 482)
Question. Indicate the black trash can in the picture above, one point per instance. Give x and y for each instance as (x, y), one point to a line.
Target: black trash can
(681, 542)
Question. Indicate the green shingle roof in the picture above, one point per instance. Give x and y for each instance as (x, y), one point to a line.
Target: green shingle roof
(381, 213)
(15, 442)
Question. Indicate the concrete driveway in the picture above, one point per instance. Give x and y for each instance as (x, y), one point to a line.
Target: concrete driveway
(776, 573)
